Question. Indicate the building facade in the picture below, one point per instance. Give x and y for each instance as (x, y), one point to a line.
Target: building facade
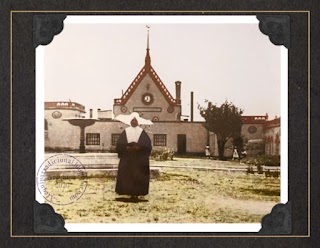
(148, 96)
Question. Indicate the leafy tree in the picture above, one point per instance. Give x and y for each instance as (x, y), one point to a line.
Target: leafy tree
(225, 121)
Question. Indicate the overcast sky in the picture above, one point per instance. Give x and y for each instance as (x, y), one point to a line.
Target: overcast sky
(92, 63)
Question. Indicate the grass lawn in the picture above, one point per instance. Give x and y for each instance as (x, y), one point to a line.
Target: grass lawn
(182, 195)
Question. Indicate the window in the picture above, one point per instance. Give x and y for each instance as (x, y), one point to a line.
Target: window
(114, 138)
(93, 139)
(46, 134)
(45, 125)
(159, 139)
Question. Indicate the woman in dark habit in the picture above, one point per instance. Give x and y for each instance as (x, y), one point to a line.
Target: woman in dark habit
(134, 148)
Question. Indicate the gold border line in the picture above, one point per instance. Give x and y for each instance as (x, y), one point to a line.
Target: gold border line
(157, 236)
(164, 236)
(10, 123)
(160, 11)
(309, 136)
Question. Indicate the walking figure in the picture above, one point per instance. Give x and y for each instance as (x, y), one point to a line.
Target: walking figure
(207, 151)
(235, 154)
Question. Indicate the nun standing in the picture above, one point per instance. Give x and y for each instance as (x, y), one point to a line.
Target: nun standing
(133, 148)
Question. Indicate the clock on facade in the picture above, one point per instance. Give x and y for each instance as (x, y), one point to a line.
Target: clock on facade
(147, 98)
(252, 129)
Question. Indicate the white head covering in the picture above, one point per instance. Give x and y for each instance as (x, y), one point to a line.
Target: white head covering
(127, 119)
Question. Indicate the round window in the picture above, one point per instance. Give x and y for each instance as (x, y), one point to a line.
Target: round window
(124, 109)
(156, 118)
(170, 109)
(56, 114)
(252, 129)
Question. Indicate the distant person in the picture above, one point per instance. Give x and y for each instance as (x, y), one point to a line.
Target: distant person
(244, 154)
(134, 148)
(235, 154)
(207, 151)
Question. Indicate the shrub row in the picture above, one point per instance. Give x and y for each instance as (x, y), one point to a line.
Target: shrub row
(263, 160)
(162, 155)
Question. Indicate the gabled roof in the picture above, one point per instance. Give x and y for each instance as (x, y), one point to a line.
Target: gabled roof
(147, 69)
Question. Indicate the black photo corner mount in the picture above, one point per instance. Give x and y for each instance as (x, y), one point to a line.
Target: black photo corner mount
(45, 27)
(278, 222)
(47, 221)
(277, 27)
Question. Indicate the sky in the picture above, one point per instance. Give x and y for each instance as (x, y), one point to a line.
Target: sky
(92, 63)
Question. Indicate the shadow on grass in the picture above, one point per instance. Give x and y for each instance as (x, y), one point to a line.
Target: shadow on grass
(132, 200)
(266, 192)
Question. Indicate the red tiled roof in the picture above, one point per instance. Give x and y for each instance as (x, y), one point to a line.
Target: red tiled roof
(147, 69)
(254, 119)
(144, 71)
(273, 123)
(64, 105)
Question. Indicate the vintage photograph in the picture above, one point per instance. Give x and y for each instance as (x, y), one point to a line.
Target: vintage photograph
(159, 120)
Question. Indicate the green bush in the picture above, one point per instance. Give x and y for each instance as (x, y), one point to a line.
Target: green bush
(162, 155)
(112, 149)
(250, 170)
(263, 160)
(274, 174)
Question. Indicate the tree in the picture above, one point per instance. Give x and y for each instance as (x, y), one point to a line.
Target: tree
(225, 121)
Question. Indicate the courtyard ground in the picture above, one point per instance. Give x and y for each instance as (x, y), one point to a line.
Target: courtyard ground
(186, 191)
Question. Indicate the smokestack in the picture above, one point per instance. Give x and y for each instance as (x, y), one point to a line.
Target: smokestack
(178, 91)
(90, 113)
(191, 106)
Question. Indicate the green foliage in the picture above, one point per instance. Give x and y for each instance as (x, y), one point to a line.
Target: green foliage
(250, 170)
(274, 174)
(225, 121)
(263, 160)
(162, 155)
(112, 149)
(255, 147)
(59, 149)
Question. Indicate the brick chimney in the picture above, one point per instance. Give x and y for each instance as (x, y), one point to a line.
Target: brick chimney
(178, 91)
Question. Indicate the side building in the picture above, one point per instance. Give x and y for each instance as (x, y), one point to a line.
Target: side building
(60, 134)
(272, 137)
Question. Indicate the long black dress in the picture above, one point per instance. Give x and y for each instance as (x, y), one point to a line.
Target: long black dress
(133, 171)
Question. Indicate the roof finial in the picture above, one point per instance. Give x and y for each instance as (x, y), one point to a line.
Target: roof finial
(148, 59)
(148, 28)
